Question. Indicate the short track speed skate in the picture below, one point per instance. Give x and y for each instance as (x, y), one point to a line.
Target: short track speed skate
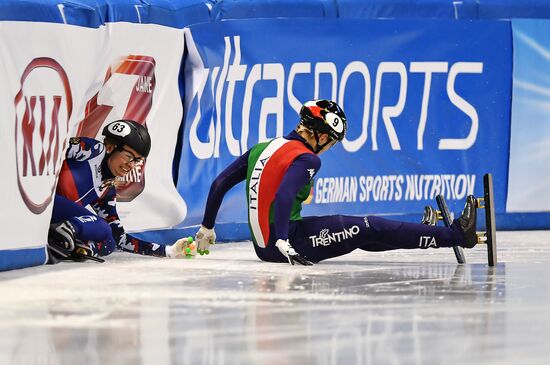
(485, 237)
(81, 253)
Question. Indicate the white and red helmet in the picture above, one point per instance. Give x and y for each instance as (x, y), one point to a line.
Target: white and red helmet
(324, 116)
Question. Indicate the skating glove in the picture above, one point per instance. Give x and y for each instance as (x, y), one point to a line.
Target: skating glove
(204, 238)
(182, 248)
(288, 251)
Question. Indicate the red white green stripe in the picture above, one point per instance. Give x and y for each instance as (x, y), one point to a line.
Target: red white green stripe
(264, 180)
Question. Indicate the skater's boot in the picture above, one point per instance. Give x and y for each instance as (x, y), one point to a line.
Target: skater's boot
(467, 222)
(61, 238)
(430, 216)
(84, 251)
(64, 246)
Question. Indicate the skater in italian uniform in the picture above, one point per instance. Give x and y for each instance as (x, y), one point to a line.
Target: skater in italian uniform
(278, 178)
(88, 178)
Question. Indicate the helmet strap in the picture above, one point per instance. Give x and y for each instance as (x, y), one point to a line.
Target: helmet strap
(319, 147)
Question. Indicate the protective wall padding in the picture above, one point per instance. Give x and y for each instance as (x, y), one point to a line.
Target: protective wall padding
(83, 13)
(176, 13)
(246, 9)
(508, 9)
(181, 13)
(17, 259)
(93, 14)
(381, 9)
(389, 9)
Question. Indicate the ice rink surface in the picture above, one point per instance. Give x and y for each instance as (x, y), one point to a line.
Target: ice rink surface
(400, 307)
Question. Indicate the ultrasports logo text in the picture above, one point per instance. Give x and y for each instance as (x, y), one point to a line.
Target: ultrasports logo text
(223, 81)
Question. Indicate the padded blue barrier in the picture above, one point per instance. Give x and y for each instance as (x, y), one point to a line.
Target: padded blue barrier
(87, 13)
(132, 11)
(403, 9)
(246, 9)
(38, 11)
(17, 259)
(181, 13)
(508, 9)
(83, 13)
(377, 9)
(177, 13)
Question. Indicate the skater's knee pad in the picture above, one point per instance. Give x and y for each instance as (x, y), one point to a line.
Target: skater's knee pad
(106, 247)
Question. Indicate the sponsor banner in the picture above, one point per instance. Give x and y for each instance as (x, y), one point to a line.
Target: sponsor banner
(428, 111)
(138, 80)
(70, 81)
(43, 88)
(529, 178)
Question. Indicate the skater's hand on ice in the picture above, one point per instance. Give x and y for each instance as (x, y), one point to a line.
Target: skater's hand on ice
(184, 247)
(204, 238)
(288, 251)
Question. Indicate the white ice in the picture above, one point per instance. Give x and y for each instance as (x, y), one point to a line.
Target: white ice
(400, 307)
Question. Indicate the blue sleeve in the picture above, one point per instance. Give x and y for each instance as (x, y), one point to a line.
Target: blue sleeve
(106, 209)
(83, 149)
(299, 173)
(231, 176)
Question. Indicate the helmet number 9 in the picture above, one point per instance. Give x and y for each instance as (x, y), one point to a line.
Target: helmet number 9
(335, 122)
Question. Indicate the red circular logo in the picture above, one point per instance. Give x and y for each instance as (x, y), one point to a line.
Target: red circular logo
(43, 108)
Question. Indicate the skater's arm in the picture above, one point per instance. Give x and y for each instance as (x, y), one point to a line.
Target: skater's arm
(299, 173)
(83, 149)
(231, 176)
(106, 209)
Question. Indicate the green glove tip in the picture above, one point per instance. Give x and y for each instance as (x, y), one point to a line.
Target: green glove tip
(189, 239)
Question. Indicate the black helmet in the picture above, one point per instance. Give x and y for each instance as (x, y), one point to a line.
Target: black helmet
(324, 116)
(129, 133)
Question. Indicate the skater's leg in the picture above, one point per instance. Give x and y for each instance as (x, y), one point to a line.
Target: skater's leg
(319, 238)
(86, 225)
(403, 235)
(65, 209)
(395, 234)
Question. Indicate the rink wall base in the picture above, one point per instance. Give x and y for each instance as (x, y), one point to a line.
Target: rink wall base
(17, 259)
